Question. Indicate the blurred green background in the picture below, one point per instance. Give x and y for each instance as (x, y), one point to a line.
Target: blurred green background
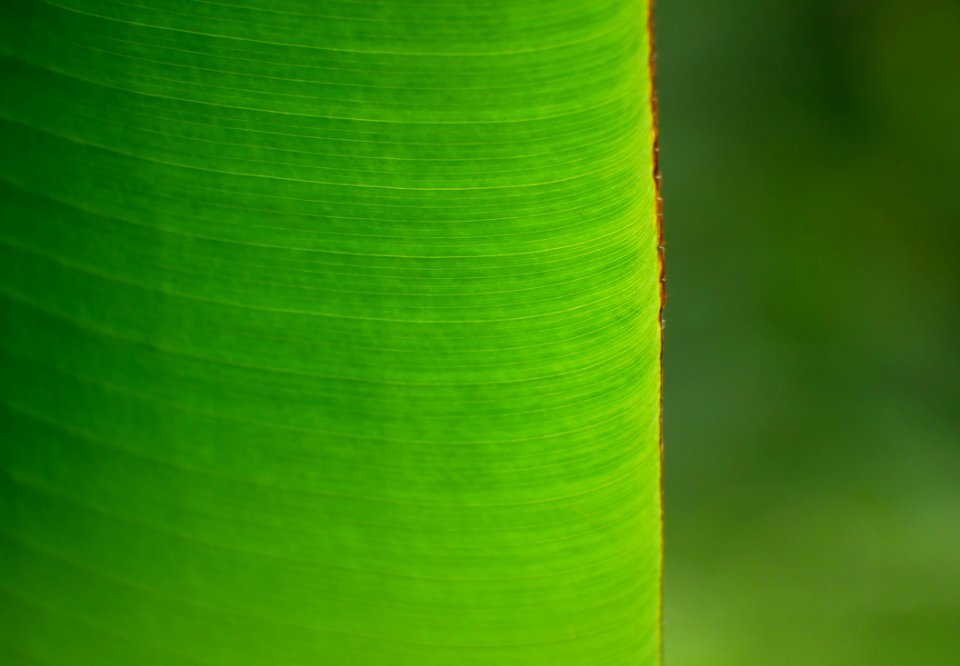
(811, 162)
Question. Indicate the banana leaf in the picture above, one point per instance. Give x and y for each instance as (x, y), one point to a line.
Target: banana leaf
(330, 333)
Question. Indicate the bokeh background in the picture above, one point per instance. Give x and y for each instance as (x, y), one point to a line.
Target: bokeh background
(811, 160)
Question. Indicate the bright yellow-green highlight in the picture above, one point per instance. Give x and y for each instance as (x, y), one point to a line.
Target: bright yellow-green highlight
(330, 334)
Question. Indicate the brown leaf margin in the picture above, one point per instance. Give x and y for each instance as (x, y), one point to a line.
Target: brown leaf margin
(661, 251)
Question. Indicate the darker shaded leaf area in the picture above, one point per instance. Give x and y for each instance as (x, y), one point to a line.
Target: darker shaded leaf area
(810, 154)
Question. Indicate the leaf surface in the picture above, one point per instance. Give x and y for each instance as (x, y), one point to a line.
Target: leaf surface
(330, 333)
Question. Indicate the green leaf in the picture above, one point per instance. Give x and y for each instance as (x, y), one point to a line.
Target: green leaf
(330, 333)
